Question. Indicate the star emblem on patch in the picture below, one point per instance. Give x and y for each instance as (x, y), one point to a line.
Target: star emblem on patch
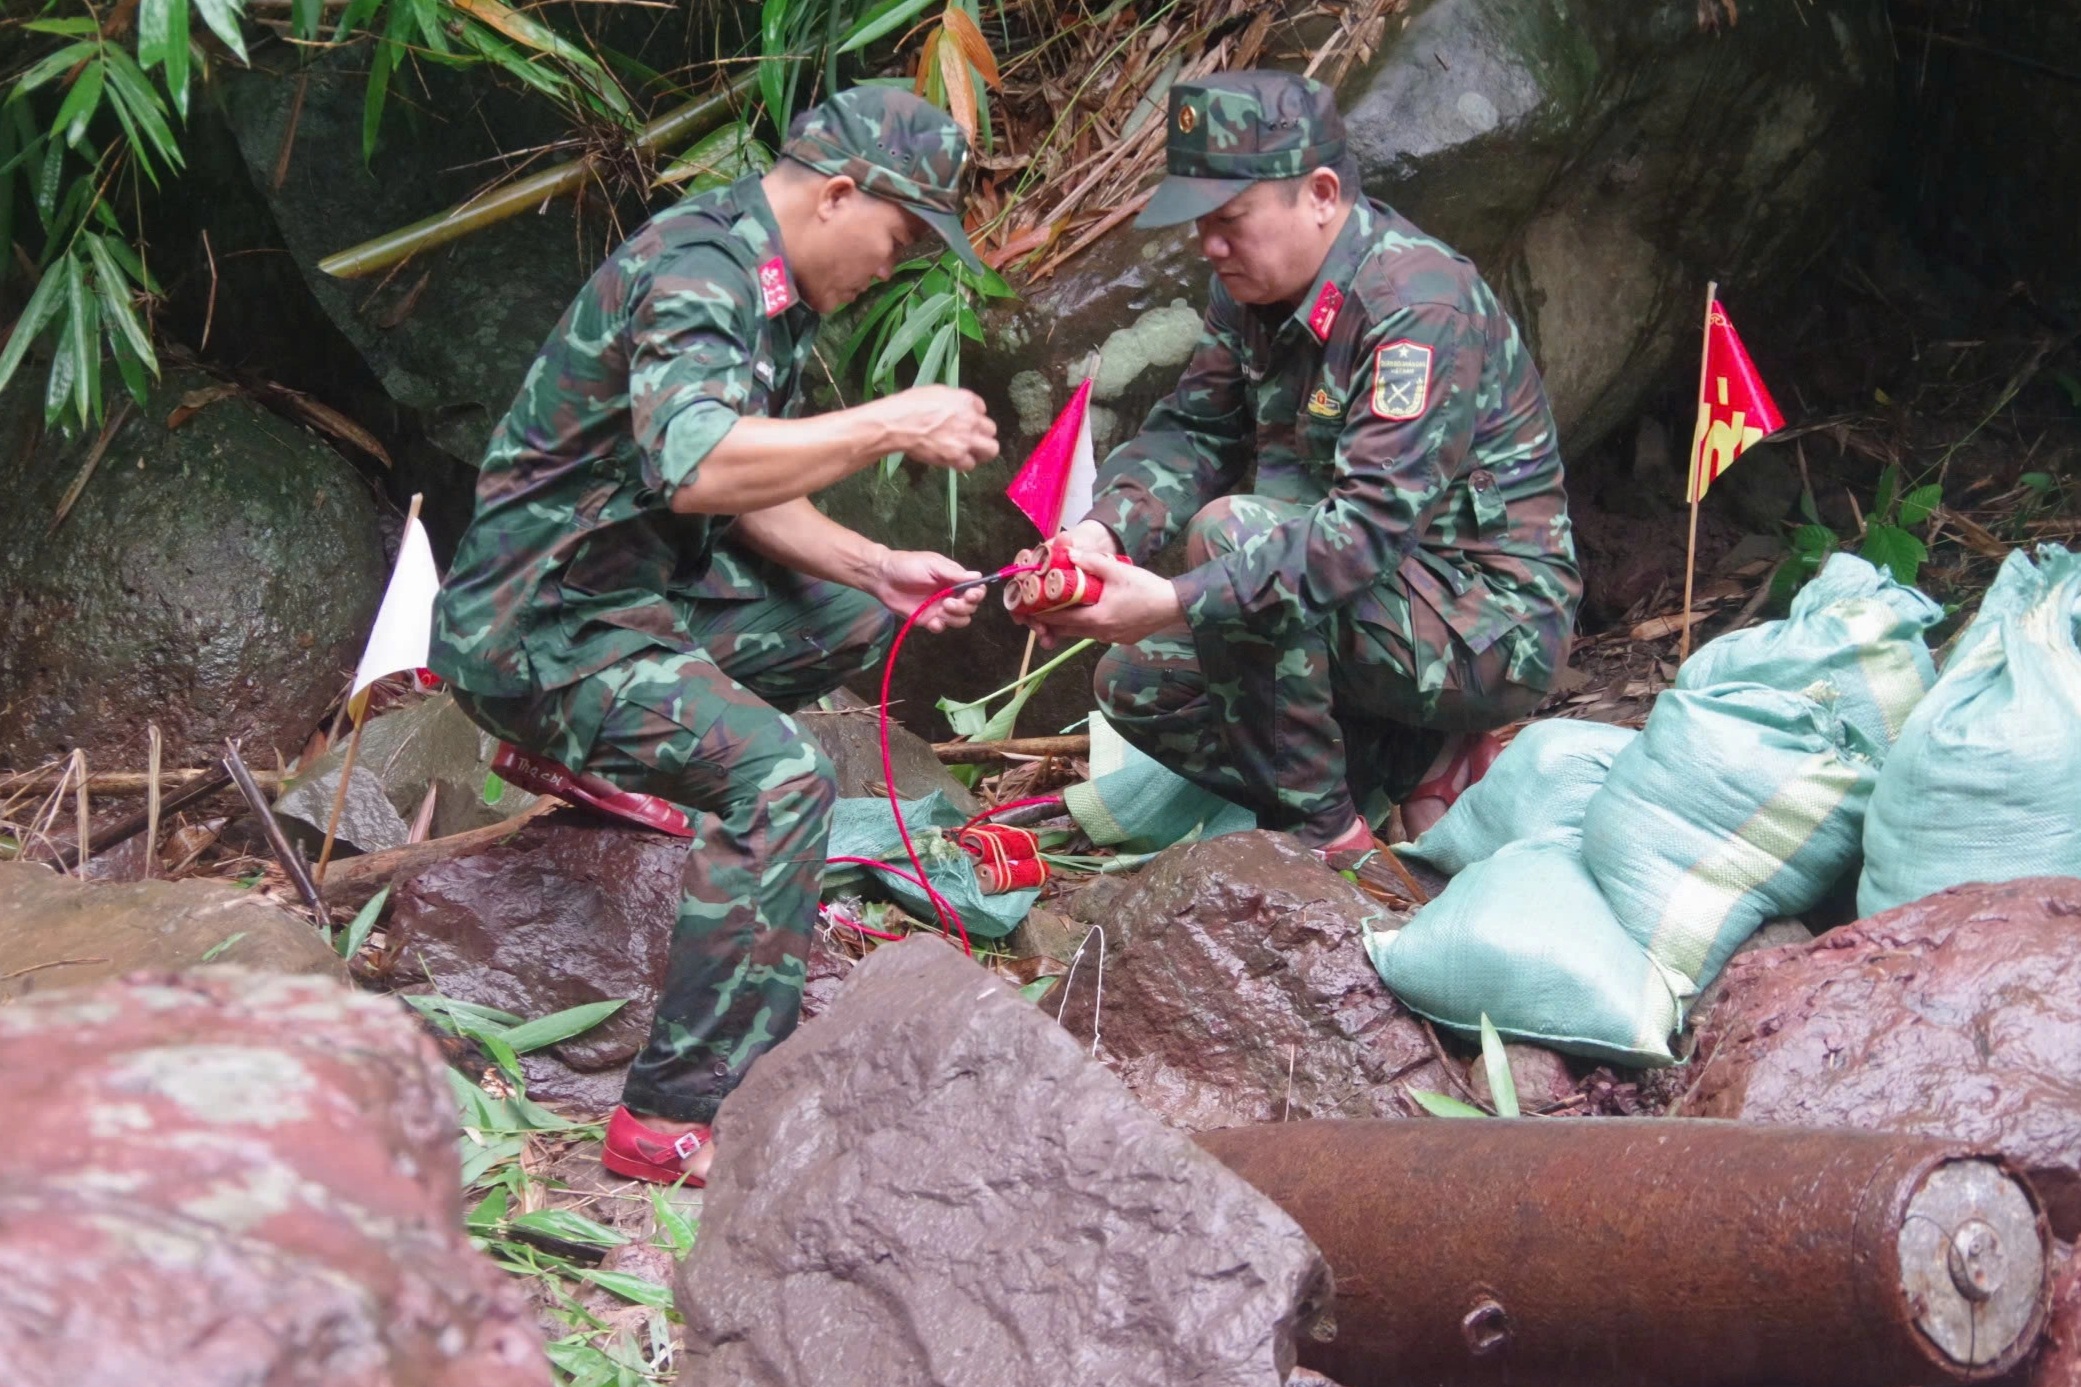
(1401, 379)
(773, 287)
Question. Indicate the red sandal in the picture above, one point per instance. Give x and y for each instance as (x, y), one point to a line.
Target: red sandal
(1478, 751)
(539, 775)
(641, 1152)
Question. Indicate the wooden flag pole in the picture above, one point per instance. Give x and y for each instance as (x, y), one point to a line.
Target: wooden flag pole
(1695, 484)
(1026, 660)
(339, 797)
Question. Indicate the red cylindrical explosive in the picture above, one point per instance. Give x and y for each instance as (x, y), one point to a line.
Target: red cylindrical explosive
(1654, 1253)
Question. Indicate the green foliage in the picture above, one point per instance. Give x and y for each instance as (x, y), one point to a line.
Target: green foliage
(1502, 1086)
(1888, 542)
(979, 723)
(358, 930)
(505, 1037)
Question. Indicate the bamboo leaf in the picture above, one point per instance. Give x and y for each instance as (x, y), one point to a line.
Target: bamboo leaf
(129, 88)
(936, 354)
(632, 1288)
(364, 923)
(303, 18)
(35, 314)
(73, 28)
(57, 388)
(1438, 1105)
(562, 1025)
(571, 1227)
(80, 104)
(372, 98)
(132, 371)
(114, 289)
(223, 16)
(880, 20)
(974, 46)
(355, 16)
(85, 334)
(443, 1011)
(920, 320)
(1502, 1085)
(64, 60)
(179, 57)
(960, 89)
(679, 1229)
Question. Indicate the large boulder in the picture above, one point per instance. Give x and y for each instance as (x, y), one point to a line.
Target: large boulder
(215, 578)
(934, 1184)
(227, 1176)
(57, 932)
(1237, 989)
(1958, 1016)
(569, 909)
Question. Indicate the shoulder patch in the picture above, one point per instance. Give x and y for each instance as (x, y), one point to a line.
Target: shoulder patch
(1323, 407)
(1323, 316)
(773, 287)
(1401, 379)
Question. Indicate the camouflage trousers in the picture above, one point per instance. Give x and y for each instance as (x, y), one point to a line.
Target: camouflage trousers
(708, 729)
(1305, 731)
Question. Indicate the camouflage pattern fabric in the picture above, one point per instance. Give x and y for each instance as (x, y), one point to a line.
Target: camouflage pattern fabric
(1304, 730)
(1398, 417)
(1229, 131)
(895, 146)
(707, 728)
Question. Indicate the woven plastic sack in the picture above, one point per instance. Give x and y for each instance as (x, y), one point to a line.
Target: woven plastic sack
(1135, 803)
(1526, 937)
(864, 827)
(1985, 782)
(1853, 627)
(1538, 787)
(1736, 804)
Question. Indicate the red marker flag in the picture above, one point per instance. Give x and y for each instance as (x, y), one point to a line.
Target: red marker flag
(1734, 406)
(1054, 487)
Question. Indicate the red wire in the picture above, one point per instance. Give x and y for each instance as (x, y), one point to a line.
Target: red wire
(940, 905)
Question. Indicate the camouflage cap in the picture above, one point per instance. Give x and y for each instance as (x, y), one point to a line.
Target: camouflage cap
(895, 146)
(1236, 129)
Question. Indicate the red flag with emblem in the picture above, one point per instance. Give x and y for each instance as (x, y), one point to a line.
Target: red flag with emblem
(1054, 487)
(1734, 407)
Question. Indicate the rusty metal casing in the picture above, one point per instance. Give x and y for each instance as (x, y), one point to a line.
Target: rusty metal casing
(1654, 1252)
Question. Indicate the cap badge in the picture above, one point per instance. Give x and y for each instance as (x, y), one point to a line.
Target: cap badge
(1187, 119)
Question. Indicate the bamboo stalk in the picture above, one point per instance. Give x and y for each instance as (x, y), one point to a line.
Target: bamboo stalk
(117, 783)
(974, 753)
(690, 121)
(1697, 486)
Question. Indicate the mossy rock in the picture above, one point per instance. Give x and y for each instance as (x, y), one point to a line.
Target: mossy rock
(216, 579)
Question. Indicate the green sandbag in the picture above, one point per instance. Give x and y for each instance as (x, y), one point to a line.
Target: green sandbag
(1139, 805)
(1540, 785)
(1854, 628)
(1526, 937)
(1736, 804)
(1985, 781)
(864, 827)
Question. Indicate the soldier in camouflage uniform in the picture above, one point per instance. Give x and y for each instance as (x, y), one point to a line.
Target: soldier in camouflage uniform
(1402, 577)
(646, 592)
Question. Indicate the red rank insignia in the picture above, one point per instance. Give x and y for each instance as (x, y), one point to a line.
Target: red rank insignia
(773, 287)
(1324, 314)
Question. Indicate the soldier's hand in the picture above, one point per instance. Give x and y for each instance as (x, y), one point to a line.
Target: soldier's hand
(1136, 604)
(1090, 537)
(910, 576)
(941, 426)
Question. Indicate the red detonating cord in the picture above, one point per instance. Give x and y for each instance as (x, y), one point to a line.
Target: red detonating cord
(940, 905)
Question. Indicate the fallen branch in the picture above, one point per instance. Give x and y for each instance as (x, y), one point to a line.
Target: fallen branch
(352, 880)
(975, 753)
(209, 784)
(125, 782)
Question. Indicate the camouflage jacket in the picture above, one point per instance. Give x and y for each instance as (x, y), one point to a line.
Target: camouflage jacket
(1398, 401)
(574, 559)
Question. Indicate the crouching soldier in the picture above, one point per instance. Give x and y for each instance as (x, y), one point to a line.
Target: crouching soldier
(1401, 579)
(645, 591)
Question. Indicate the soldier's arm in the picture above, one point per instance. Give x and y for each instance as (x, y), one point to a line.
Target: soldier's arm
(699, 410)
(1408, 428)
(799, 536)
(1194, 446)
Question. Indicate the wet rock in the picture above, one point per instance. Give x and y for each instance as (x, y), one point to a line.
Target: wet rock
(1542, 1078)
(224, 1176)
(851, 737)
(568, 910)
(1957, 1016)
(934, 1174)
(1775, 934)
(427, 745)
(1237, 990)
(56, 932)
(1046, 933)
(1562, 148)
(216, 580)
